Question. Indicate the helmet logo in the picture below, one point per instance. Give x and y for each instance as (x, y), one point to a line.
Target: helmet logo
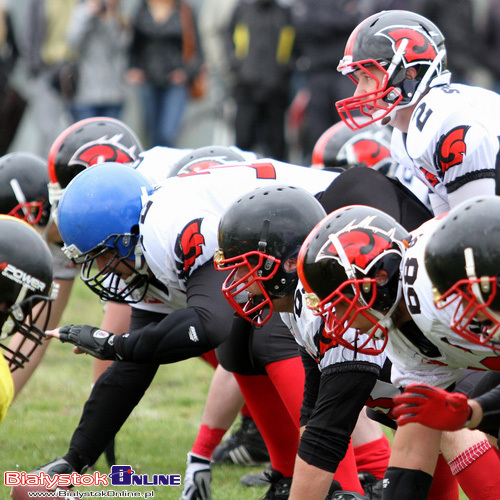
(420, 46)
(358, 245)
(188, 247)
(19, 276)
(103, 150)
(364, 151)
(451, 148)
(201, 164)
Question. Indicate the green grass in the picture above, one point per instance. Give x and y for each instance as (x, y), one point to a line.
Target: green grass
(154, 440)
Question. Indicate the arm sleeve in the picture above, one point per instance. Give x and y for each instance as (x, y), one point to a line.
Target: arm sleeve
(185, 333)
(343, 391)
(490, 403)
(311, 387)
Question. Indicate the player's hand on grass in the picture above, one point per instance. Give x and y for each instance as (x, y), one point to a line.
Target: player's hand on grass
(86, 338)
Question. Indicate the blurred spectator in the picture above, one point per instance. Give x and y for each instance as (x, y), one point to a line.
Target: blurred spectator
(12, 104)
(47, 50)
(455, 19)
(322, 28)
(260, 43)
(487, 22)
(98, 34)
(165, 58)
(213, 23)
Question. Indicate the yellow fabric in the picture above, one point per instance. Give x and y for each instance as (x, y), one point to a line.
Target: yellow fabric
(241, 38)
(285, 44)
(57, 14)
(6, 387)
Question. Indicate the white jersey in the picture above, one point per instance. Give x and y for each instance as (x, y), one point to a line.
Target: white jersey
(440, 356)
(179, 221)
(308, 332)
(452, 140)
(156, 163)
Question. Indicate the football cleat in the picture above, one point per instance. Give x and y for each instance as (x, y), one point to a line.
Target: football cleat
(57, 466)
(259, 479)
(371, 485)
(280, 486)
(244, 447)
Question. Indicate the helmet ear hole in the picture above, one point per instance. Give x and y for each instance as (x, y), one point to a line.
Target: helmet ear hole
(381, 277)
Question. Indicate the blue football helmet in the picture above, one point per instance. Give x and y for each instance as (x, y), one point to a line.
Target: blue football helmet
(98, 216)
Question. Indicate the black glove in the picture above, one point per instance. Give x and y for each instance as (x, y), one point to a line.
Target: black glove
(93, 341)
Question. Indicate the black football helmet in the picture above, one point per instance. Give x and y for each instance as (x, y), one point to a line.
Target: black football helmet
(25, 288)
(340, 148)
(257, 234)
(203, 158)
(392, 41)
(85, 143)
(338, 265)
(462, 258)
(23, 187)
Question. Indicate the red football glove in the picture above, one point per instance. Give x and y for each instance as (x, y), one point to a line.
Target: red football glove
(432, 407)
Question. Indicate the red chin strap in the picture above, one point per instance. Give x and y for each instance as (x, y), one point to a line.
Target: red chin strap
(257, 312)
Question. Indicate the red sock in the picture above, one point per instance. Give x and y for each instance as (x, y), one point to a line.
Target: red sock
(207, 440)
(288, 378)
(444, 485)
(347, 472)
(373, 457)
(476, 471)
(279, 430)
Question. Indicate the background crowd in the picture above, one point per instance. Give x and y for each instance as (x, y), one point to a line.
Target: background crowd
(257, 61)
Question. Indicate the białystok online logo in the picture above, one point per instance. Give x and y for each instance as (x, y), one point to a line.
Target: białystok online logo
(120, 475)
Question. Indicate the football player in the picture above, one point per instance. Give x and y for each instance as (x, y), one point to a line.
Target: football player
(103, 139)
(259, 238)
(365, 275)
(26, 294)
(161, 245)
(462, 268)
(446, 133)
(340, 147)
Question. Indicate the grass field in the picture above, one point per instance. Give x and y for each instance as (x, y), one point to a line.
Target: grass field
(154, 440)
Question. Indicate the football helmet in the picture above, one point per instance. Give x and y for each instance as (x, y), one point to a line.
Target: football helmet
(339, 265)
(340, 148)
(98, 216)
(392, 41)
(462, 259)
(23, 187)
(25, 288)
(257, 234)
(85, 143)
(203, 158)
